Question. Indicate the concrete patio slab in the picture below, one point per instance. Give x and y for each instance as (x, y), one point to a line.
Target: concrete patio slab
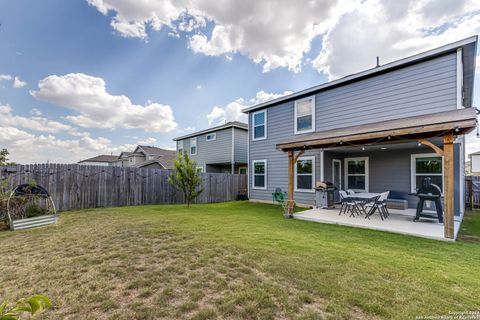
(399, 221)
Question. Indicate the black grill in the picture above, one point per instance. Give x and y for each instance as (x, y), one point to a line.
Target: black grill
(429, 192)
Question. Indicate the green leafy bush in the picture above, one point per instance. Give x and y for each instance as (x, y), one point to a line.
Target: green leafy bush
(29, 306)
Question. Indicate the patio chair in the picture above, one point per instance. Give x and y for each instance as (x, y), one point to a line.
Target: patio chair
(278, 196)
(380, 204)
(348, 205)
(350, 192)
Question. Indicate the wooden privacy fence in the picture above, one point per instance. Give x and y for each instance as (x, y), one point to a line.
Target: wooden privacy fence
(75, 186)
(472, 192)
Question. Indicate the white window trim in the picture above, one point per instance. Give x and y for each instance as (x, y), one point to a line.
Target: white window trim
(459, 79)
(312, 158)
(180, 143)
(313, 115)
(333, 172)
(239, 168)
(196, 146)
(209, 134)
(413, 173)
(201, 169)
(253, 174)
(253, 125)
(367, 173)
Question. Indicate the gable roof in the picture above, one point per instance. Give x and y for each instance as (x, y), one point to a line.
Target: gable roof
(235, 124)
(153, 151)
(101, 158)
(468, 55)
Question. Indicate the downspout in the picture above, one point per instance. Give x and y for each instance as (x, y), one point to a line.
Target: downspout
(233, 150)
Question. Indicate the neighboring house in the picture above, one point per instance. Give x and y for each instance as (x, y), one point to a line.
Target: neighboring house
(122, 160)
(221, 149)
(370, 131)
(151, 157)
(102, 160)
(141, 157)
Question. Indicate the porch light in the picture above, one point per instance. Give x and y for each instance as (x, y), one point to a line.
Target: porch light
(419, 144)
(363, 148)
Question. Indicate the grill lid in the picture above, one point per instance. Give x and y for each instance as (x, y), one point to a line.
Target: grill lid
(428, 188)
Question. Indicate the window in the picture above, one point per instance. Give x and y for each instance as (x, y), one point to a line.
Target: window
(259, 174)
(305, 174)
(211, 136)
(427, 165)
(242, 170)
(193, 146)
(180, 146)
(305, 115)
(356, 174)
(259, 121)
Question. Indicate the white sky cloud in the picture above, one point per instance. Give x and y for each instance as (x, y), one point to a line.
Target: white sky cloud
(17, 83)
(233, 110)
(27, 148)
(97, 108)
(35, 122)
(5, 77)
(279, 33)
(392, 30)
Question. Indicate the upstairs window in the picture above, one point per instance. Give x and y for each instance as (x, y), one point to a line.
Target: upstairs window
(259, 125)
(193, 146)
(211, 136)
(305, 115)
(180, 146)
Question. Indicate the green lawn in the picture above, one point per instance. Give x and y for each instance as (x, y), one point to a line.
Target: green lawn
(235, 260)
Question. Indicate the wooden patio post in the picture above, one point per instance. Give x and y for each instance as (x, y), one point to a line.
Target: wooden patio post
(449, 185)
(292, 159)
(291, 167)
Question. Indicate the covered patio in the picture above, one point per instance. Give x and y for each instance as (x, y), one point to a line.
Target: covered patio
(437, 132)
(399, 221)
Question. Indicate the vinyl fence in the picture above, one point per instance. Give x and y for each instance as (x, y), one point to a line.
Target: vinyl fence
(77, 186)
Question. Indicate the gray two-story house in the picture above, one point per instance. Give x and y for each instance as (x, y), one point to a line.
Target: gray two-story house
(221, 149)
(383, 129)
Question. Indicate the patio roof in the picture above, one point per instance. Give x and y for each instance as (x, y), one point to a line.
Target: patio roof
(462, 121)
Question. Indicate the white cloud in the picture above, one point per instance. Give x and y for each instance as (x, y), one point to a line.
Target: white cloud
(5, 77)
(35, 112)
(272, 32)
(97, 108)
(36, 123)
(199, 87)
(233, 110)
(278, 33)
(189, 129)
(17, 83)
(150, 141)
(392, 30)
(25, 147)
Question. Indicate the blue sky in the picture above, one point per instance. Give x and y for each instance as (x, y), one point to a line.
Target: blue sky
(151, 72)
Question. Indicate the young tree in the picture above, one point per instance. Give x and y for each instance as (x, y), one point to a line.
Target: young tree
(3, 158)
(185, 178)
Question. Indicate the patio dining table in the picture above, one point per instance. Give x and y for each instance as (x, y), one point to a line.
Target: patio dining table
(362, 198)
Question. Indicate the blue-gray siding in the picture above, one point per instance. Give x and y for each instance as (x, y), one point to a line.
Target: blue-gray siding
(426, 87)
(219, 150)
